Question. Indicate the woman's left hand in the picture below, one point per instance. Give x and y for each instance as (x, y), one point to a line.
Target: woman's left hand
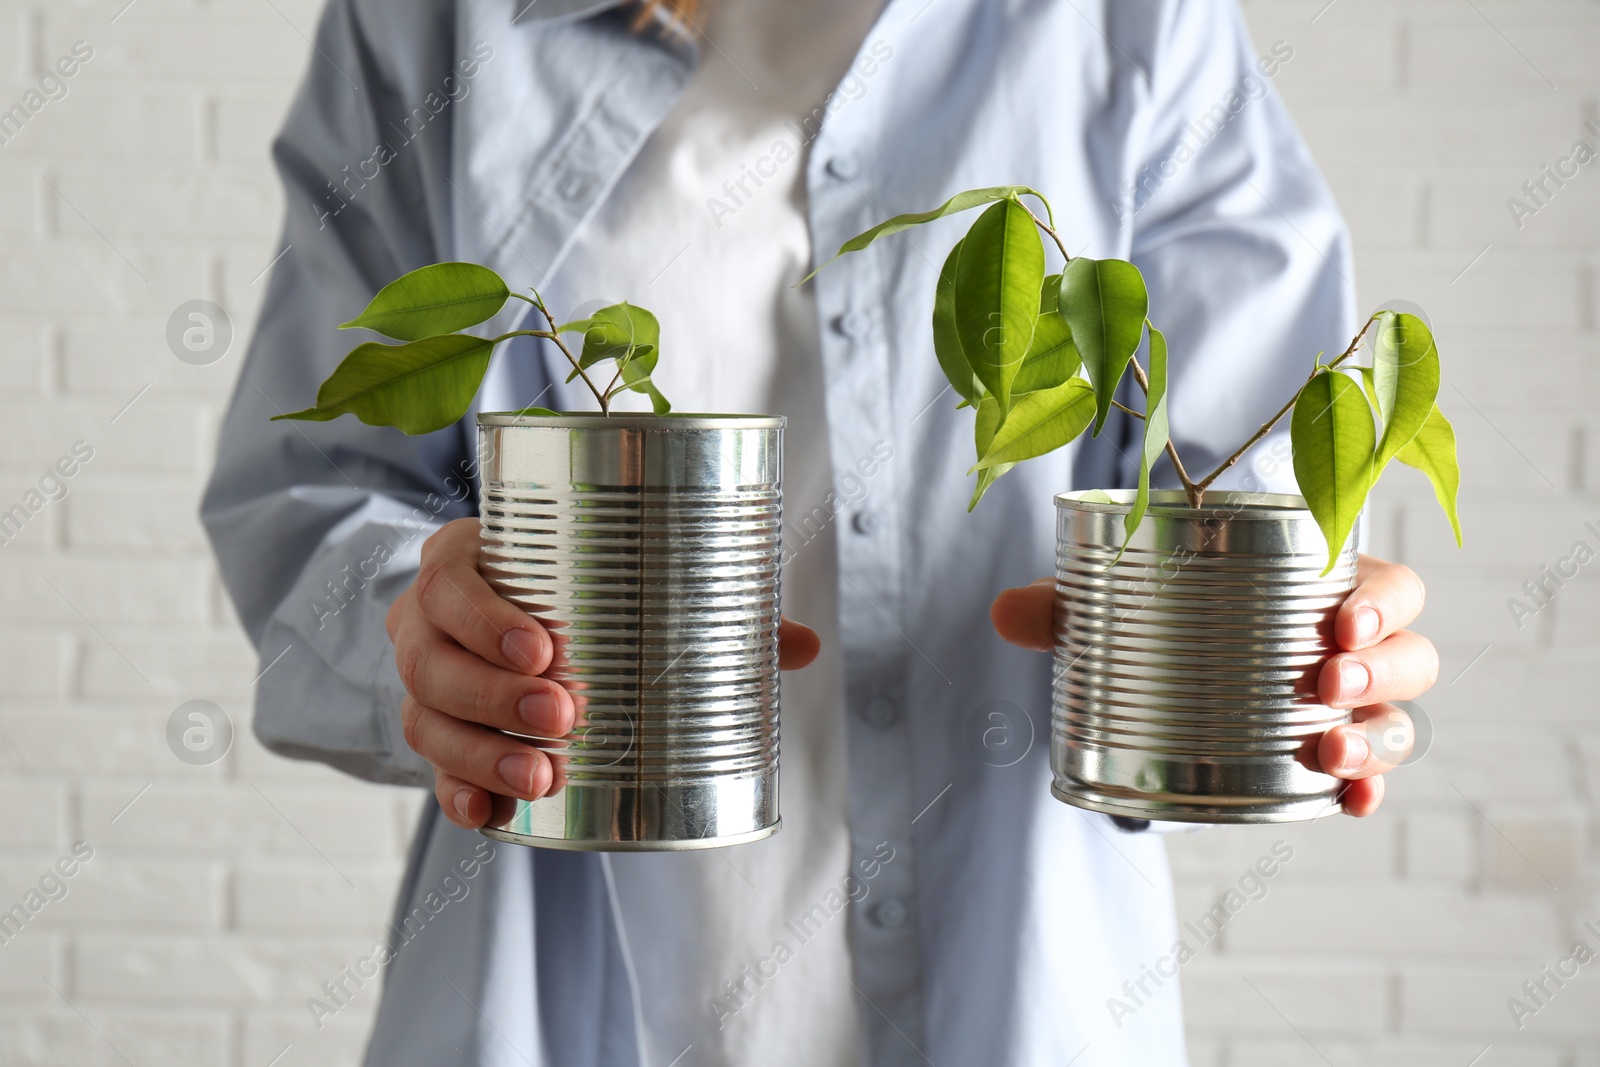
(1380, 661)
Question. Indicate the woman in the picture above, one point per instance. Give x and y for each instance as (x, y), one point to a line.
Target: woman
(926, 902)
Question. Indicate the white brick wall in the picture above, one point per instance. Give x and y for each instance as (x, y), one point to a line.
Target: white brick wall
(1397, 941)
(220, 899)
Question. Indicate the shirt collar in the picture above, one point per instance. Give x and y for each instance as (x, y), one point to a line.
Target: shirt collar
(563, 10)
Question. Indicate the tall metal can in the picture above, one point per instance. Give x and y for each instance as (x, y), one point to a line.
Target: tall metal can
(649, 547)
(1186, 670)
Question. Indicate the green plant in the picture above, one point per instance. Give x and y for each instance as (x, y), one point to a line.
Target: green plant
(1041, 358)
(428, 382)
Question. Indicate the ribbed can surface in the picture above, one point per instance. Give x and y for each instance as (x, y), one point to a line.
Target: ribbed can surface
(1185, 672)
(649, 548)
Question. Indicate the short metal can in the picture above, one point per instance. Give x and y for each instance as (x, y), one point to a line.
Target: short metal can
(1185, 683)
(649, 547)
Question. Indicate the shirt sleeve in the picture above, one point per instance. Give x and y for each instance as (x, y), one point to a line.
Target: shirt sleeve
(1241, 243)
(317, 527)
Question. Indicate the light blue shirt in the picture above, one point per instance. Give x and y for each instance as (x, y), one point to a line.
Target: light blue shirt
(429, 130)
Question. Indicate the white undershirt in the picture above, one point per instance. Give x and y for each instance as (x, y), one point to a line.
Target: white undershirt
(708, 229)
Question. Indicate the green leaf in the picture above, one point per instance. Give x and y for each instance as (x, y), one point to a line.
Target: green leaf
(418, 387)
(1040, 422)
(1433, 452)
(1050, 294)
(960, 202)
(946, 340)
(1405, 380)
(440, 299)
(622, 332)
(998, 277)
(1155, 435)
(636, 376)
(984, 428)
(1104, 302)
(1052, 358)
(1333, 437)
(536, 411)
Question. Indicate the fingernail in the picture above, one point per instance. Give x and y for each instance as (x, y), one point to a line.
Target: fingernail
(516, 770)
(1356, 751)
(464, 803)
(541, 711)
(1366, 625)
(522, 648)
(1353, 678)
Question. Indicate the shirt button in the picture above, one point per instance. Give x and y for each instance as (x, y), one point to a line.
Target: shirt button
(845, 167)
(881, 712)
(575, 185)
(865, 522)
(853, 324)
(891, 913)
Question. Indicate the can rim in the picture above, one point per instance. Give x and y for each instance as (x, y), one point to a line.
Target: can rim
(635, 420)
(1231, 504)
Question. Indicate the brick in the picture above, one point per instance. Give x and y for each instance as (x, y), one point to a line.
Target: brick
(1577, 611)
(148, 436)
(1439, 131)
(54, 1034)
(36, 813)
(341, 1038)
(305, 896)
(1536, 852)
(121, 358)
(1266, 997)
(1470, 214)
(33, 665)
(106, 592)
(212, 971)
(1490, 766)
(25, 357)
(246, 126)
(1465, 1000)
(174, 204)
(1533, 686)
(26, 961)
(114, 890)
(1506, 534)
(214, 48)
(353, 821)
(1468, 608)
(1467, 51)
(1441, 846)
(1382, 210)
(73, 739)
(62, 277)
(1460, 295)
(1322, 53)
(201, 665)
(1350, 848)
(1293, 1052)
(1409, 919)
(160, 518)
(96, 123)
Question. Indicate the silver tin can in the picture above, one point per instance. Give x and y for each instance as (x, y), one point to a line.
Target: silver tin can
(1185, 672)
(649, 548)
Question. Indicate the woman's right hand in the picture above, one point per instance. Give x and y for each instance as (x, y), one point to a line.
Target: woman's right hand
(473, 664)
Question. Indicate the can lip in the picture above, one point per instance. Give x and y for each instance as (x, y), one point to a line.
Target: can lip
(635, 420)
(1172, 502)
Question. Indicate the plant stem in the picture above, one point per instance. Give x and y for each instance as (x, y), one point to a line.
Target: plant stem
(552, 334)
(1047, 228)
(1194, 493)
(1136, 414)
(1266, 427)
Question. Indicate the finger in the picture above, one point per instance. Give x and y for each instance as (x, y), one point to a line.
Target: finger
(1026, 616)
(478, 756)
(1378, 741)
(455, 598)
(1362, 798)
(463, 803)
(1404, 666)
(1387, 598)
(798, 645)
(448, 678)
